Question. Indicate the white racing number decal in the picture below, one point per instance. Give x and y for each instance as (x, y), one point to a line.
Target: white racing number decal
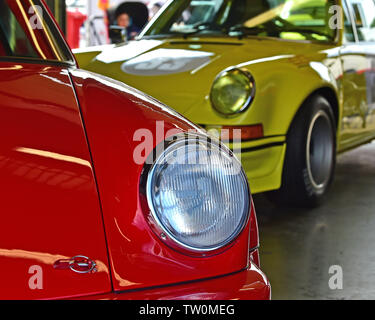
(166, 61)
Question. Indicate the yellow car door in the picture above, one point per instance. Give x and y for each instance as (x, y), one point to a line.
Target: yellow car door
(355, 106)
(364, 13)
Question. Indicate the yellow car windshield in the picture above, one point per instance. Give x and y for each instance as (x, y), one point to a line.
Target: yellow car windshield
(288, 19)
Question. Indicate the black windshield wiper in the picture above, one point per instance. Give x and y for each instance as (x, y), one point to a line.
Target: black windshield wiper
(242, 31)
(193, 32)
(197, 28)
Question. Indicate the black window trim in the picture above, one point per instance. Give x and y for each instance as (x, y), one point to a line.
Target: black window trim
(38, 61)
(4, 41)
(62, 38)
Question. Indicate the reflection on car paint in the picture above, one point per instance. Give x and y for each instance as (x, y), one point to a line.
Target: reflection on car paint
(166, 61)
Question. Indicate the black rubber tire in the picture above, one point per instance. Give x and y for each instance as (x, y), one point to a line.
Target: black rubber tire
(314, 120)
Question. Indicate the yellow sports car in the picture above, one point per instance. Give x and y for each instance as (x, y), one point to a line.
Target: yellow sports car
(296, 76)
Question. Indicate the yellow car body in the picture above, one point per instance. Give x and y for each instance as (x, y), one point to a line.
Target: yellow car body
(179, 71)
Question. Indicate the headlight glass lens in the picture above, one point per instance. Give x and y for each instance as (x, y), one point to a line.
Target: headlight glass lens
(198, 194)
(232, 91)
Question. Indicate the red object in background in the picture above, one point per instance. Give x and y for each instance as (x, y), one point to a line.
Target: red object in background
(75, 19)
(70, 193)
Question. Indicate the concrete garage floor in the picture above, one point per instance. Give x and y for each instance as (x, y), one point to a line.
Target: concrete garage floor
(299, 246)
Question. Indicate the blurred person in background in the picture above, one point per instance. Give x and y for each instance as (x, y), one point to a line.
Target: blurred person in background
(124, 19)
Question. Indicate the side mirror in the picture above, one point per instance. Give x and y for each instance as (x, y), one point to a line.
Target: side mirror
(117, 34)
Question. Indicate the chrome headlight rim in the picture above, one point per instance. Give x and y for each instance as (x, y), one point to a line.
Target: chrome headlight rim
(250, 98)
(152, 216)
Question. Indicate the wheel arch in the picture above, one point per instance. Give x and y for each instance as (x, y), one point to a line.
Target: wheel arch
(331, 96)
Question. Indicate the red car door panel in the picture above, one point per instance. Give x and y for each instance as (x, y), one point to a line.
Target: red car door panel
(49, 204)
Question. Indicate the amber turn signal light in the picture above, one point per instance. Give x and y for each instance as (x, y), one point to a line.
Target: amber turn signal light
(233, 133)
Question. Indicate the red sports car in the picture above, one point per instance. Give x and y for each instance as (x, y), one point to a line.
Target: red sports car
(105, 190)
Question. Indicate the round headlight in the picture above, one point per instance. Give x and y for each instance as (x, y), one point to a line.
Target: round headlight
(198, 194)
(233, 91)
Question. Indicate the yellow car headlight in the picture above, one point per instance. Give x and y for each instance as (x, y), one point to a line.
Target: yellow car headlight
(233, 91)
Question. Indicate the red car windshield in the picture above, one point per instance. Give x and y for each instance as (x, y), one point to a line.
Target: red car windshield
(27, 31)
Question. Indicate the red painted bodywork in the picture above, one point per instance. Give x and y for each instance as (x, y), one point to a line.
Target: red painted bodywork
(49, 202)
(70, 186)
(250, 284)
